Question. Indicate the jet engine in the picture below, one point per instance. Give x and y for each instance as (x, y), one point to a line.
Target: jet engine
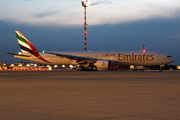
(103, 64)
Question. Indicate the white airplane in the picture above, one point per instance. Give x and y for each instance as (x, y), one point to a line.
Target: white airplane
(102, 60)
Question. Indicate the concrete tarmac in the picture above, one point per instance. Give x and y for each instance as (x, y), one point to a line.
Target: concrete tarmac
(86, 95)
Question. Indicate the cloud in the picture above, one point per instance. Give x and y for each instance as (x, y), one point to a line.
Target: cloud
(42, 15)
(67, 13)
(175, 37)
(100, 2)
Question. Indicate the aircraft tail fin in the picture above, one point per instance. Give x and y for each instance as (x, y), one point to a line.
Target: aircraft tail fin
(25, 45)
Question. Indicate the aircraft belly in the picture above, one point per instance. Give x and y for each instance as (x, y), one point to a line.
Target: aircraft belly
(62, 61)
(144, 63)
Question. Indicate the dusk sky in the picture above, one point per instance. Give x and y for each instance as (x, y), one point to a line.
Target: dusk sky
(120, 25)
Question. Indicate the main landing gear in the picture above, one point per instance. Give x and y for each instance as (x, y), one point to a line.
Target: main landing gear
(161, 68)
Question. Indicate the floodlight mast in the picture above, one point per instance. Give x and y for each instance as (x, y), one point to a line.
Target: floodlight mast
(85, 5)
(143, 47)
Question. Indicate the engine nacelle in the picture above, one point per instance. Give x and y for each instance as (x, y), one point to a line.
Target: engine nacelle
(103, 64)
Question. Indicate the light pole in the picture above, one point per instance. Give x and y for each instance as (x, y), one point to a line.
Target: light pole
(143, 47)
(85, 5)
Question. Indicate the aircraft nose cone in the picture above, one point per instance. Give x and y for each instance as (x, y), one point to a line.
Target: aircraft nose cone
(172, 59)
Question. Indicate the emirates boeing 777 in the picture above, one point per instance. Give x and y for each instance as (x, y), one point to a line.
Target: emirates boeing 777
(102, 60)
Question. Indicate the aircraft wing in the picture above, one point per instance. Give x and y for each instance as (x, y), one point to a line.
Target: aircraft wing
(18, 54)
(79, 59)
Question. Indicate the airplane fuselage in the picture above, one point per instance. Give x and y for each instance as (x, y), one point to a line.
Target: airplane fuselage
(116, 58)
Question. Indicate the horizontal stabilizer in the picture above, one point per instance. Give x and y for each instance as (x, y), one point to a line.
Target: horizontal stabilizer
(18, 54)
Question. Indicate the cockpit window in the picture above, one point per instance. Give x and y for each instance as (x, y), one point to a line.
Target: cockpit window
(169, 56)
